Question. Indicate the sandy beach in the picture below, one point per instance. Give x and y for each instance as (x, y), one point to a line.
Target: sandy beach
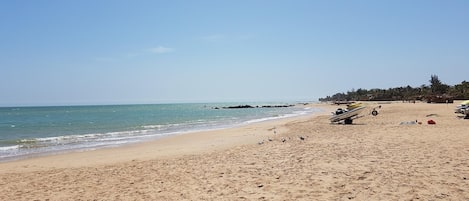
(302, 158)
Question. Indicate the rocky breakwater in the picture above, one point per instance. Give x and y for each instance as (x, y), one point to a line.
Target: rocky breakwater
(250, 106)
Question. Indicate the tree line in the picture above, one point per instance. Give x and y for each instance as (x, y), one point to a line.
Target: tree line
(408, 93)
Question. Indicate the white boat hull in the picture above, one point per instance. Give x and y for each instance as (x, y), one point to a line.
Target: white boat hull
(347, 115)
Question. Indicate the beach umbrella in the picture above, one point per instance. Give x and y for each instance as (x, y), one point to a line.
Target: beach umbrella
(466, 102)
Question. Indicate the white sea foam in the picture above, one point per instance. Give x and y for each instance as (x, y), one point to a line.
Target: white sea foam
(66, 143)
(9, 148)
(294, 114)
(153, 126)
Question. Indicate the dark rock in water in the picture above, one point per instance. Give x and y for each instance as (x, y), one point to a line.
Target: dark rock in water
(250, 106)
(238, 107)
(275, 106)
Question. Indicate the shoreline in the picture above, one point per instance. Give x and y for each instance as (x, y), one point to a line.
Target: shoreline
(115, 139)
(376, 158)
(162, 147)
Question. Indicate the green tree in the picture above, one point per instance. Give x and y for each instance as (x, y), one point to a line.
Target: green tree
(460, 91)
(437, 86)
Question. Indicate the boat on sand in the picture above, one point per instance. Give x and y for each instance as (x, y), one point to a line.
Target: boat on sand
(348, 114)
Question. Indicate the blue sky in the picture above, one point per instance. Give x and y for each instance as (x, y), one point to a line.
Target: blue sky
(111, 52)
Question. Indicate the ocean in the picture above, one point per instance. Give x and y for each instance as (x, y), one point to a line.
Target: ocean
(36, 131)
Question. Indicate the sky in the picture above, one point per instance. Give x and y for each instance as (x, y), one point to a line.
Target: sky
(123, 52)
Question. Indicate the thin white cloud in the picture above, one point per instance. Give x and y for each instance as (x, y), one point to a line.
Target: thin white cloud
(161, 50)
(136, 54)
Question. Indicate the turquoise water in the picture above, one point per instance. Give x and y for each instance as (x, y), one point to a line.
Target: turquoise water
(31, 131)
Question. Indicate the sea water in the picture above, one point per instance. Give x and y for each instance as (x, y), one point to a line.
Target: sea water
(32, 131)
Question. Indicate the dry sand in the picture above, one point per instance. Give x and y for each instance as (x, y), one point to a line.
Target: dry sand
(374, 159)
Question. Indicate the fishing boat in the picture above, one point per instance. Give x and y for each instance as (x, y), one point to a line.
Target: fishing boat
(347, 115)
